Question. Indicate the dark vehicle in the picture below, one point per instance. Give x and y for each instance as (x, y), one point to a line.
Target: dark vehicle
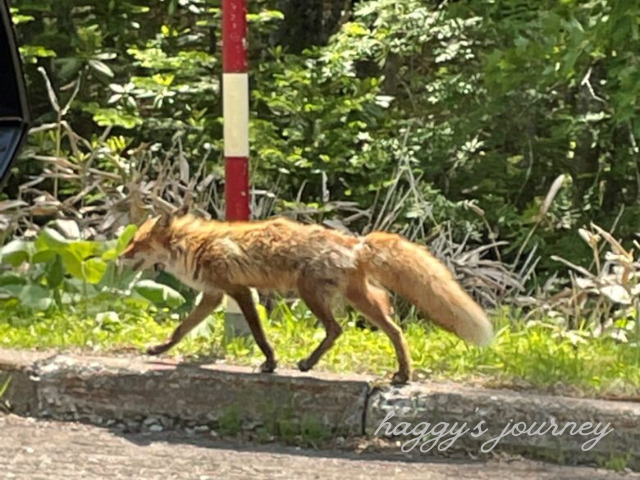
(14, 108)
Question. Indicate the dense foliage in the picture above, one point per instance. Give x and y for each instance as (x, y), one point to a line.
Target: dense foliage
(458, 123)
(470, 109)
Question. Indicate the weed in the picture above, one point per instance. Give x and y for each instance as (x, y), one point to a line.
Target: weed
(288, 429)
(229, 422)
(616, 462)
(313, 430)
(4, 403)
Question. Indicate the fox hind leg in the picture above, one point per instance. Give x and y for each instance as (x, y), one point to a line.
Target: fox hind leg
(317, 299)
(208, 303)
(373, 302)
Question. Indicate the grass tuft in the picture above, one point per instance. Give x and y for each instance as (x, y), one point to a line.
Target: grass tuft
(531, 355)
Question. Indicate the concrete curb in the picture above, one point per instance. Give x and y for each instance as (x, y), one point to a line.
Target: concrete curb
(161, 394)
(100, 388)
(555, 428)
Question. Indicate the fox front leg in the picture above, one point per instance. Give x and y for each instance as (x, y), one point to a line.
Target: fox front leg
(242, 296)
(208, 304)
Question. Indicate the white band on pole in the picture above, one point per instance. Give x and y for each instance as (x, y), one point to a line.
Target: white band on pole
(235, 110)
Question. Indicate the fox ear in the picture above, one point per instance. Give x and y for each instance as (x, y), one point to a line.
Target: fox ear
(164, 220)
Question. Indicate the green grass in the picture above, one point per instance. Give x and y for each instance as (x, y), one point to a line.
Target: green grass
(523, 356)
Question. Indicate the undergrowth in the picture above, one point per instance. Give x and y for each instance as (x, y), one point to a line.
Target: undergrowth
(532, 355)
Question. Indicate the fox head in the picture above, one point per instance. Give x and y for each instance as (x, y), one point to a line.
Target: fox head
(150, 244)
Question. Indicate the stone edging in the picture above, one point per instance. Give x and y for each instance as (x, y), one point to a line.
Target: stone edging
(140, 391)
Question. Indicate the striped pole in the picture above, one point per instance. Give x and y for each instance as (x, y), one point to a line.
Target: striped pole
(235, 104)
(235, 111)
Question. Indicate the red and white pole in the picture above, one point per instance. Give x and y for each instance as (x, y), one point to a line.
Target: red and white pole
(235, 105)
(235, 112)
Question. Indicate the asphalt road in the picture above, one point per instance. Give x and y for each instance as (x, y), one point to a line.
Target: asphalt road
(36, 449)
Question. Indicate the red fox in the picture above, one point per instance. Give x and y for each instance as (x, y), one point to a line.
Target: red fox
(217, 257)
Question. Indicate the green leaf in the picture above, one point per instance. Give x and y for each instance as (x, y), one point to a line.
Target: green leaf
(16, 252)
(109, 251)
(72, 264)
(55, 272)
(109, 255)
(11, 278)
(43, 256)
(100, 68)
(112, 117)
(36, 297)
(116, 87)
(52, 239)
(84, 249)
(125, 237)
(13, 289)
(19, 19)
(93, 270)
(121, 243)
(158, 293)
(31, 52)
(69, 67)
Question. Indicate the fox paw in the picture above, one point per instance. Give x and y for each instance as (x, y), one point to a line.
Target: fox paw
(400, 378)
(268, 366)
(303, 365)
(158, 349)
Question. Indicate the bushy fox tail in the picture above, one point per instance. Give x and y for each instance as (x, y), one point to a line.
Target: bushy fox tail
(415, 274)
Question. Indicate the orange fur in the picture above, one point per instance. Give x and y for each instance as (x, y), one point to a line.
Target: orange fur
(278, 254)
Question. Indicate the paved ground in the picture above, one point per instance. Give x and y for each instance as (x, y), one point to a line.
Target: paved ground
(36, 449)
